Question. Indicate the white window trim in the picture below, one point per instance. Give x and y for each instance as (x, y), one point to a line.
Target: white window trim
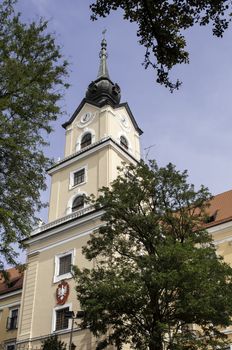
(128, 140)
(53, 330)
(9, 344)
(71, 177)
(68, 275)
(12, 308)
(70, 202)
(16, 307)
(85, 131)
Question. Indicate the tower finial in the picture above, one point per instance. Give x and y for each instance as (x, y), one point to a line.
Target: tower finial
(104, 32)
(103, 70)
(102, 90)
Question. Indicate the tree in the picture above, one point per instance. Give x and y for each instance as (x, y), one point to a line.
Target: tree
(161, 24)
(156, 282)
(32, 82)
(53, 343)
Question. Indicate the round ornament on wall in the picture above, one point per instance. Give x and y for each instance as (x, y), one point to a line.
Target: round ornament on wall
(124, 122)
(86, 119)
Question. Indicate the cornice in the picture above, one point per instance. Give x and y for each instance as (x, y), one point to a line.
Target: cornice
(96, 146)
(100, 105)
(10, 294)
(218, 228)
(61, 242)
(65, 223)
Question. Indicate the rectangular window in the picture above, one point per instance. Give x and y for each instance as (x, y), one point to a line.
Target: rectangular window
(65, 264)
(10, 346)
(79, 177)
(12, 321)
(62, 322)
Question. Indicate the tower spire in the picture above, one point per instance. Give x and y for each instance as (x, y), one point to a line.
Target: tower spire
(102, 90)
(103, 70)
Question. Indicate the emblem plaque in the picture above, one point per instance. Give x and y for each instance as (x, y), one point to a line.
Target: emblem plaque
(62, 292)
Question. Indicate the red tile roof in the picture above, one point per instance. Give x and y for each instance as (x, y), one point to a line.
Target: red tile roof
(14, 283)
(221, 208)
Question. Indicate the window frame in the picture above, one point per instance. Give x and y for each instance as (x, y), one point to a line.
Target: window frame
(71, 177)
(10, 344)
(82, 207)
(126, 145)
(55, 309)
(68, 275)
(15, 323)
(72, 198)
(79, 138)
(65, 265)
(84, 135)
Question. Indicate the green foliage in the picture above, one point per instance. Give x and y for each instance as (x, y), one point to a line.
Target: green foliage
(53, 343)
(156, 271)
(32, 82)
(161, 24)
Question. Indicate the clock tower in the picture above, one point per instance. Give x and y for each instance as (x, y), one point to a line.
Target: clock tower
(101, 135)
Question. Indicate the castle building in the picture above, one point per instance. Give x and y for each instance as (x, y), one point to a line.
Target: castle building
(101, 135)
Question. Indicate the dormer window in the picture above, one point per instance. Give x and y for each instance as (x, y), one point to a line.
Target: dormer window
(123, 142)
(86, 140)
(78, 203)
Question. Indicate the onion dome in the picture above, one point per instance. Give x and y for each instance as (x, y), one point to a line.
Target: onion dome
(103, 90)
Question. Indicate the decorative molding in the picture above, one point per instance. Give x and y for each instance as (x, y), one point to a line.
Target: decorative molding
(86, 130)
(122, 133)
(76, 236)
(124, 122)
(7, 295)
(76, 193)
(94, 147)
(71, 177)
(68, 224)
(16, 303)
(54, 318)
(219, 228)
(41, 337)
(63, 219)
(68, 275)
(85, 119)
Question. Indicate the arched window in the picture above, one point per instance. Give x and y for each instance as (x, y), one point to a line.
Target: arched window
(123, 142)
(78, 203)
(86, 140)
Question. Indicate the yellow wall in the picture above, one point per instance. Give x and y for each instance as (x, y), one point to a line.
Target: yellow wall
(101, 165)
(9, 302)
(39, 291)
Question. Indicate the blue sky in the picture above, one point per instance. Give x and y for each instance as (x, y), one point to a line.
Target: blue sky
(191, 128)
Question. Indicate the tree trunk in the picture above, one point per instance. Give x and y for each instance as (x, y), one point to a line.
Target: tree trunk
(156, 342)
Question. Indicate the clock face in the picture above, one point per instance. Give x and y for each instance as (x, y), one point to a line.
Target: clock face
(85, 119)
(124, 122)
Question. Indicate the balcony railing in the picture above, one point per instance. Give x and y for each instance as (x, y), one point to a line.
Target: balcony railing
(64, 219)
